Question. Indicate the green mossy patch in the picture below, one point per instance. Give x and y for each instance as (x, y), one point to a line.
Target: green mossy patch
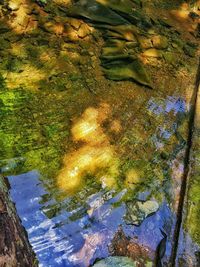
(193, 198)
(31, 135)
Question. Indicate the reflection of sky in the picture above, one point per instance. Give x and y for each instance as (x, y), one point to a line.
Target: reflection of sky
(187, 249)
(55, 246)
(80, 242)
(149, 234)
(166, 105)
(170, 125)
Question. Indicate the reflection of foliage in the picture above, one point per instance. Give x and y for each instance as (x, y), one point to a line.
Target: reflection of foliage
(145, 174)
(154, 148)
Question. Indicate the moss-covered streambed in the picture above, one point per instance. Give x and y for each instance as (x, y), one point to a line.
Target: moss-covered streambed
(94, 115)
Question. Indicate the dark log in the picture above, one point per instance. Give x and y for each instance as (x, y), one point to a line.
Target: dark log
(15, 250)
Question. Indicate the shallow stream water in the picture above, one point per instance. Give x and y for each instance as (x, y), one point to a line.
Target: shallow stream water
(94, 114)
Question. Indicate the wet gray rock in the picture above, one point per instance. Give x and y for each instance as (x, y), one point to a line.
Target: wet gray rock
(115, 261)
(138, 211)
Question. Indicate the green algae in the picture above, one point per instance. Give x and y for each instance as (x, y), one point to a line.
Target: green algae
(22, 136)
(191, 223)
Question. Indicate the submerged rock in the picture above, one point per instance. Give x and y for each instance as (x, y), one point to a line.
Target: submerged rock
(14, 5)
(126, 69)
(127, 31)
(145, 43)
(159, 42)
(83, 31)
(115, 261)
(119, 22)
(96, 13)
(122, 245)
(152, 52)
(137, 212)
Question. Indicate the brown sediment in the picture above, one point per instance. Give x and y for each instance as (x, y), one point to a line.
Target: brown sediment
(121, 245)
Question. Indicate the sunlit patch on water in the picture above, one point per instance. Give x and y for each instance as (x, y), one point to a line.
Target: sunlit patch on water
(95, 156)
